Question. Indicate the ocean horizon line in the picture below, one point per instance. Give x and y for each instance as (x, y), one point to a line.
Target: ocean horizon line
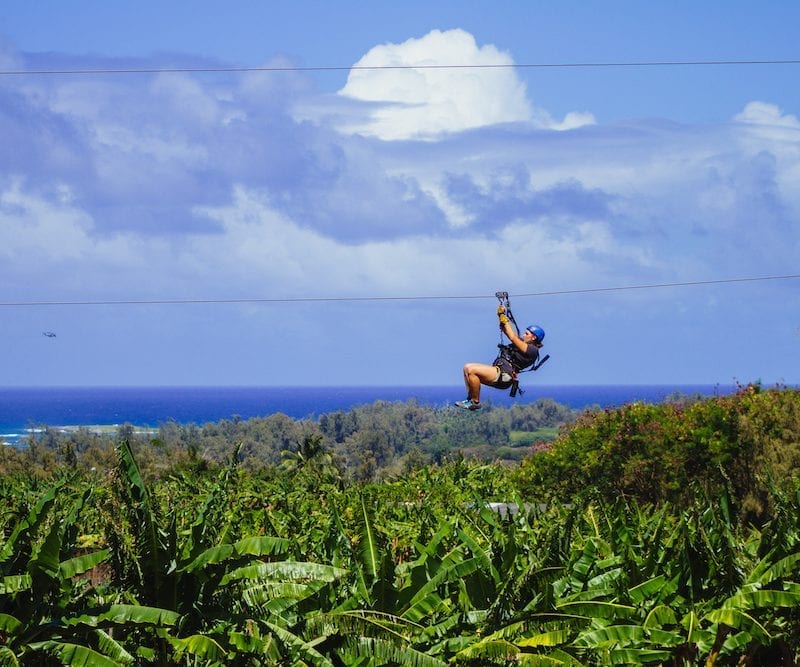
(371, 386)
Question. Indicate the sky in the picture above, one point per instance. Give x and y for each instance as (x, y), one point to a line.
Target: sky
(331, 193)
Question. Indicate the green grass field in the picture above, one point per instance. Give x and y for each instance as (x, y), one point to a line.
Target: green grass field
(523, 438)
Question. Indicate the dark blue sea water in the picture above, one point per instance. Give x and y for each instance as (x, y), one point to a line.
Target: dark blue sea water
(27, 408)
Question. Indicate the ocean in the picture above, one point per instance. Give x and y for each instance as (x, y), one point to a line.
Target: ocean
(25, 408)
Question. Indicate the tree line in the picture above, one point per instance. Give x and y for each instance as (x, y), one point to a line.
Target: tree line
(366, 442)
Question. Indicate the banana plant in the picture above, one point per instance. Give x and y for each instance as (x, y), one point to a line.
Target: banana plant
(42, 586)
(758, 615)
(627, 597)
(216, 598)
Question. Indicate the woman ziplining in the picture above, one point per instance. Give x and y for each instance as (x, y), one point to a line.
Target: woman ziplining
(522, 354)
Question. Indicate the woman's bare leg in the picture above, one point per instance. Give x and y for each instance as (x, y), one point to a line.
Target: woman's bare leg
(474, 376)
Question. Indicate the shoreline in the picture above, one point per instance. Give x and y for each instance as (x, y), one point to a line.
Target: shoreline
(94, 429)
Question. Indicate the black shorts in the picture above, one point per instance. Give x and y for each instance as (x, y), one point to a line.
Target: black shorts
(505, 372)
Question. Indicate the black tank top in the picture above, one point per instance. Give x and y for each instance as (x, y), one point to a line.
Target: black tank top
(518, 360)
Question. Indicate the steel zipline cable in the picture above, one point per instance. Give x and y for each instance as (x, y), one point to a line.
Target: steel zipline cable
(333, 68)
(440, 297)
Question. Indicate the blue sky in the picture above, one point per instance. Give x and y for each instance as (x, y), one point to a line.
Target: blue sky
(341, 200)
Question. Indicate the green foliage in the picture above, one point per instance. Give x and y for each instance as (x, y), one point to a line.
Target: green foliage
(42, 583)
(646, 559)
(364, 444)
(419, 570)
(661, 453)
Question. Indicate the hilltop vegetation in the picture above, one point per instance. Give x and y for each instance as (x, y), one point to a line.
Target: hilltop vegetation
(747, 442)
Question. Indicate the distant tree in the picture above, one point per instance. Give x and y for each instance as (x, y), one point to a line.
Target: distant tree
(313, 460)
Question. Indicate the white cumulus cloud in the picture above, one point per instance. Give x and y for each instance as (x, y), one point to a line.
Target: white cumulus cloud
(441, 83)
(764, 113)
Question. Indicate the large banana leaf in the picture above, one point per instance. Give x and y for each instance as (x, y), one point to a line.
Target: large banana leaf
(639, 656)
(659, 616)
(130, 613)
(363, 586)
(611, 635)
(488, 650)
(451, 568)
(736, 618)
(482, 554)
(363, 623)
(646, 590)
(278, 596)
(18, 546)
(150, 554)
(383, 652)
(550, 638)
(761, 599)
(75, 655)
(251, 643)
(443, 530)
(9, 624)
(298, 646)
(607, 582)
(43, 566)
(124, 614)
(665, 638)
(80, 564)
(7, 657)
(447, 627)
(556, 658)
(424, 607)
(370, 551)
(46, 560)
(285, 571)
(597, 609)
(199, 646)
(15, 583)
(251, 546)
(767, 572)
(113, 649)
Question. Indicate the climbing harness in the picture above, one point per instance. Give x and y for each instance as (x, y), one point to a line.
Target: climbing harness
(505, 361)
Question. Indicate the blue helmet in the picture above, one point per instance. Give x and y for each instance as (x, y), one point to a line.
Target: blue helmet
(536, 331)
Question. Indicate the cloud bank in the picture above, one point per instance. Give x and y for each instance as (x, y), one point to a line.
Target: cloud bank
(411, 182)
